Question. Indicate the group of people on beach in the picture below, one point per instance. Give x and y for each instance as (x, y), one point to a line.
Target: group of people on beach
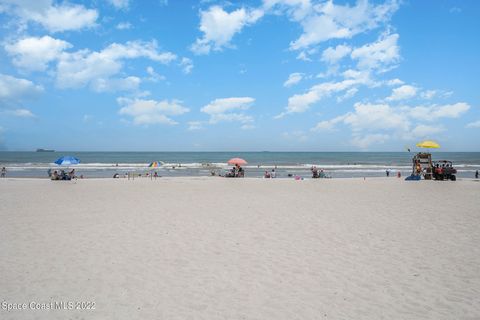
(317, 174)
(62, 175)
(236, 172)
(270, 174)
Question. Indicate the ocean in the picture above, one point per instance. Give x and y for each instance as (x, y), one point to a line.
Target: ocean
(335, 164)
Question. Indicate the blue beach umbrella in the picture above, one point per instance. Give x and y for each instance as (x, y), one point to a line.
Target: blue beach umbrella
(67, 161)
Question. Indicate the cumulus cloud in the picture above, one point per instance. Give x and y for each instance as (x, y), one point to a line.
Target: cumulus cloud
(382, 54)
(195, 125)
(324, 21)
(363, 142)
(146, 112)
(429, 94)
(230, 110)
(334, 55)
(20, 113)
(154, 76)
(99, 70)
(394, 82)
(85, 67)
(402, 93)
(297, 135)
(219, 27)
(422, 130)
(124, 26)
(293, 79)
(475, 124)
(434, 112)
(14, 90)
(120, 4)
(35, 53)
(187, 65)
(301, 102)
(53, 17)
(116, 84)
(369, 121)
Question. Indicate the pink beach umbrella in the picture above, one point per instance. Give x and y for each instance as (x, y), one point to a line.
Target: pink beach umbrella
(238, 161)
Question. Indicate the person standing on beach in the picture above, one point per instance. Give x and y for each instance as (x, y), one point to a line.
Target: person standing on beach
(387, 172)
(476, 174)
(4, 172)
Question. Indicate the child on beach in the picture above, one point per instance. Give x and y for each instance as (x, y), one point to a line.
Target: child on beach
(4, 172)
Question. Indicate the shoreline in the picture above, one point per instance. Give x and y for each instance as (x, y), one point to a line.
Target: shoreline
(197, 178)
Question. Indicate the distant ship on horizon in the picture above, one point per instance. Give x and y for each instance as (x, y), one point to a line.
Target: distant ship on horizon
(45, 150)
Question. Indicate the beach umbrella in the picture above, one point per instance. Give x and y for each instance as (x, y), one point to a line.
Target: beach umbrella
(428, 144)
(155, 164)
(236, 161)
(67, 161)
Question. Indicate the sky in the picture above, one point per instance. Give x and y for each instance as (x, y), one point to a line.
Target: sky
(271, 75)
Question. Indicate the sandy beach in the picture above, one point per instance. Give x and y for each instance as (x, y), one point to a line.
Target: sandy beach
(216, 248)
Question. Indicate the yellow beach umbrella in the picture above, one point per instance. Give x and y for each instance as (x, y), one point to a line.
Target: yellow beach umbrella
(428, 144)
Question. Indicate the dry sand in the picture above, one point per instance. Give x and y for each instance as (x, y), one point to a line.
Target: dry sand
(215, 248)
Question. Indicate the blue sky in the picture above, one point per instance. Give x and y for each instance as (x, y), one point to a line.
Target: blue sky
(277, 75)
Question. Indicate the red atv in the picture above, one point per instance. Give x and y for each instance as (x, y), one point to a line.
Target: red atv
(444, 170)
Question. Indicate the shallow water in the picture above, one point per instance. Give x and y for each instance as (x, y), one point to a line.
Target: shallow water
(335, 164)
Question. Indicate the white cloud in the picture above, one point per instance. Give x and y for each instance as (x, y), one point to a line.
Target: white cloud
(349, 94)
(247, 126)
(66, 17)
(297, 136)
(328, 125)
(120, 4)
(382, 54)
(367, 116)
(229, 110)
(13, 90)
(375, 123)
(35, 53)
(187, 65)
(475, 124)
(116, 84)
(224, 105)
(325, 21)
(423, 131)
(84, 67)
(333, 55)
(449, 110)
(219, 27)
(394, 82)
(154, 76)
(428, 94)
(402, 93)
(145, 112)
(53, 17)
(301, 102)
(434, 112)
(21, 113)
(293, 79)
(124, 26)
(363, 142)
(195, 125)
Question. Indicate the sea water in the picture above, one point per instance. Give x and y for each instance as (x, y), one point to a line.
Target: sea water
(335, 164)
